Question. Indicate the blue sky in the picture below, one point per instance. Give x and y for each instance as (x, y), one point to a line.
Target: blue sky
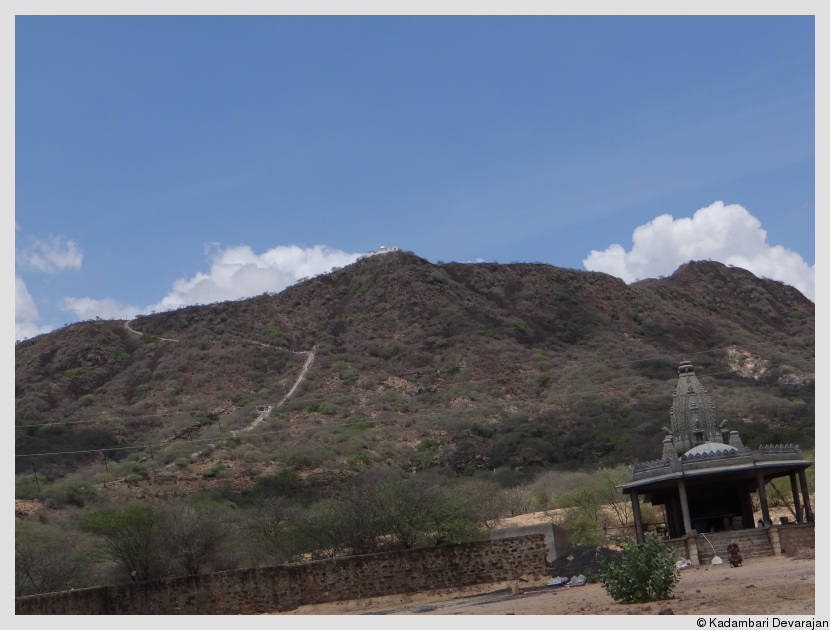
(169, 160)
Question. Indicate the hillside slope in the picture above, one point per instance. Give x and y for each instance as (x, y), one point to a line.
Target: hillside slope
(460, 366)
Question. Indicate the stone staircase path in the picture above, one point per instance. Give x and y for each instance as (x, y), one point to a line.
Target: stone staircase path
(262, 411)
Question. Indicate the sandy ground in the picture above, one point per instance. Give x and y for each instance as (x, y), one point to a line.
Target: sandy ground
(763, 586)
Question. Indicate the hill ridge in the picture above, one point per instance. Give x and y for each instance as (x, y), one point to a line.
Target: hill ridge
(457, 365)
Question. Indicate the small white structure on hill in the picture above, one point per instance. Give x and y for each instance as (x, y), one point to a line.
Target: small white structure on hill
(381, 250)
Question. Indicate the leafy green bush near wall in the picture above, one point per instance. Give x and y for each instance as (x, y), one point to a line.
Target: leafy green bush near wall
(641, 573)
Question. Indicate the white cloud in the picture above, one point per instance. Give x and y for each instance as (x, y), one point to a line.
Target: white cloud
(235, 272)
(53, 254)
(26, 315)
(24, 305)
(88, 308)
(728, 234)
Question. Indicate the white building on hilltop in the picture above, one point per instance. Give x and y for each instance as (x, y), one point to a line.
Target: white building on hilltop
(381, 250)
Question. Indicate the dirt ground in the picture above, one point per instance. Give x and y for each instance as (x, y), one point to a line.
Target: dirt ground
(763, 586)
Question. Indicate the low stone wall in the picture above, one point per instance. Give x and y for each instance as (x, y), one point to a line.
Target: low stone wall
(285, 587)
(795, 536)
(556, 537)
(680, 548)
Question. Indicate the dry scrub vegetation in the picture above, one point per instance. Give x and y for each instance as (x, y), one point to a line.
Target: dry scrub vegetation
(506, 388)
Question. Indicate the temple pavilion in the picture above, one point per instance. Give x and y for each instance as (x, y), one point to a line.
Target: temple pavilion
(706, 477)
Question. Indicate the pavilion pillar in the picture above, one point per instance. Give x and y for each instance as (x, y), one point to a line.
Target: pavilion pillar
(746, 505)
(638, 519)
(799, 513)
(805, 494)
(684, 505)
(762, 498)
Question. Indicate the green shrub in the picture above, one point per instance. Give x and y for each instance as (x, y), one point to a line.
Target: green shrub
(641, 573)
(321, 407)
(206, 418)
(115, 354)
(356, 425)
(77, 372)
(29, 486)
(358, 461)
(241, 399)
(213, 471)
(273, 333)
(521, 327)
(345, 370)
(174, 387)
(77, 493)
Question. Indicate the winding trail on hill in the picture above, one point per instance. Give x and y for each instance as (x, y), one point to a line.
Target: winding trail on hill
(262, 411)
(307, 364)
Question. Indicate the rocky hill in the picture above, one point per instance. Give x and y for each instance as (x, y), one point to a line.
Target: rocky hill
(415, 365)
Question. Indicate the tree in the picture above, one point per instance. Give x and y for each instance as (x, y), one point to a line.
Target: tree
(324, 530)
(594, 505)
(383, 510)
(193, 536)
(47, 558)
(131, 537)
(453, 517)
(268, 527)
(484, 500)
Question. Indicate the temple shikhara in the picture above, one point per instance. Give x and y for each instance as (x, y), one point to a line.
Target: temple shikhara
(706, 477)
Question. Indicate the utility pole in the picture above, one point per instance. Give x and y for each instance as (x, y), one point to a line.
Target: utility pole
(37, 481)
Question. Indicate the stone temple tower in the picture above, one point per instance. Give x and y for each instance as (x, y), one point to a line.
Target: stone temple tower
(693, 420)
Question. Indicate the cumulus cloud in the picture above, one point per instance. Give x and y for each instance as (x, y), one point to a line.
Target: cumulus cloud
(726, 233)
(53, 254)
(26, 315)
(88, 308)
(235, 273)
(238, 272)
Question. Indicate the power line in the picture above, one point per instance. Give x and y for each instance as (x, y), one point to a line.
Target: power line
(231, 435)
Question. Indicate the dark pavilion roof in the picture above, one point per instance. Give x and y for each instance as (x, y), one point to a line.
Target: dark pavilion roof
(698, 446)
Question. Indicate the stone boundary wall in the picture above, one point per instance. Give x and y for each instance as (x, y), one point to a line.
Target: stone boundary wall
(795, 536)
(285, 587)
(556, 537)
